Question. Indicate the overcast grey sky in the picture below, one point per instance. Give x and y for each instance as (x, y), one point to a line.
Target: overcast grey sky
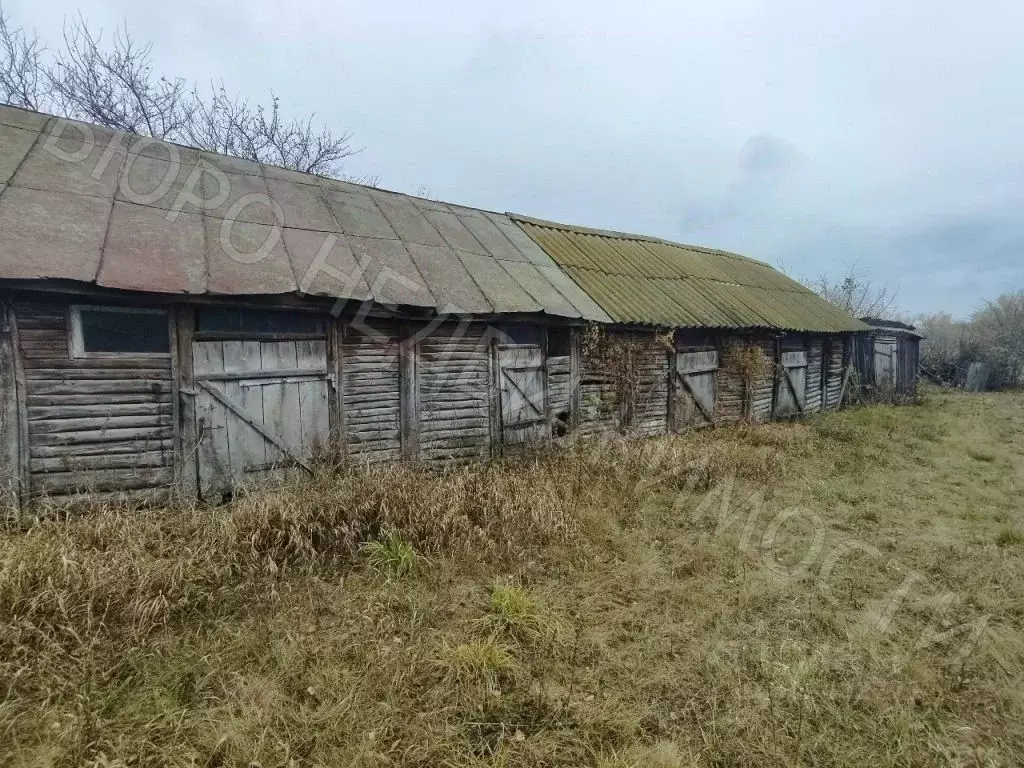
(887, 133)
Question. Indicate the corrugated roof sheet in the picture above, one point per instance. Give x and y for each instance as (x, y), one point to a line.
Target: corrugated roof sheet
(84, 203)
(647, 281)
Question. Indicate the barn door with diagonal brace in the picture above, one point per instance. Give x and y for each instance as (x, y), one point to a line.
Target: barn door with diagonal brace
(695, 388)
(791, 387)
(523, 394)
(261, 406)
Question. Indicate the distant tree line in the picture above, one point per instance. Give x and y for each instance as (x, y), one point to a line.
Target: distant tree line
(993, 335)
(110, 81)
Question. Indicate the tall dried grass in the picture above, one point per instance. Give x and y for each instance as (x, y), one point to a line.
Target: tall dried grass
(261, 632)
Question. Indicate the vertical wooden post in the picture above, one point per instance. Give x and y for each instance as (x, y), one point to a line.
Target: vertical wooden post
(546, 384)
(11, 477)
(186, 443)
(494, 384)
(575, 383)
(335, 365)
(826, 355)
(408, 385)
(777, 377)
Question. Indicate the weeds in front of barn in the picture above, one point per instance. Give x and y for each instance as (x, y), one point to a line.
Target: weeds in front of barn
(561, 609)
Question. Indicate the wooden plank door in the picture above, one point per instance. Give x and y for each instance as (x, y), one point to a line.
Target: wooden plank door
(523, 394)
(695, 388)
(885, 362)
(791, 386)
(260, 406)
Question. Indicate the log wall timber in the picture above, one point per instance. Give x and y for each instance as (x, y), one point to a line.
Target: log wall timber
(650, 416)
(94, 424)
(815, 353)
(560, 387)
(729, 405)
(601, 394)
(371, 390)
(763, 392)
(599, 407)
(10, 421)
(834, 371)
(453, 377)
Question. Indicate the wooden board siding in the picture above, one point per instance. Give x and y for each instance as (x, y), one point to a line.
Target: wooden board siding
(371, 391)
(834, 372)
(815, 353)
(729, 398)
(763, 392)
(560, 385)
(601, 409)
(101, 424)
(909, 351)
(650, 415)
(10, 427)
(453, 378)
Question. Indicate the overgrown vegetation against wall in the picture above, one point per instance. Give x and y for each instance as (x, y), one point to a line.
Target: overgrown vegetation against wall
(621, 362)
(748, 363)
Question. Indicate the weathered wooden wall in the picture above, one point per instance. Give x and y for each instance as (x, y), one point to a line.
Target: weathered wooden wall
(835, 372)
(371, 390)
(729, 405)
(650, 408)
(453, 377)
(94, 424)
(909, 361)
(602, 397)
(107, 424)
(815, 363)
(560, 386)
(599, 398)
(10, 427)
(762, 393)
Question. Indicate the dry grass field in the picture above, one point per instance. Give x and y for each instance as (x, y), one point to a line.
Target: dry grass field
(844, 591)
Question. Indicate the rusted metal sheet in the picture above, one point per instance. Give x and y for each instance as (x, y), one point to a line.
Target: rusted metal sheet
(645, 281)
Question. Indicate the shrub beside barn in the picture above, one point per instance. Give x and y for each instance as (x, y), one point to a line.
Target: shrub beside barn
(179, 321)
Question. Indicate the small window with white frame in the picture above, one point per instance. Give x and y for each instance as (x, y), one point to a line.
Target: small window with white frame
(119, 332)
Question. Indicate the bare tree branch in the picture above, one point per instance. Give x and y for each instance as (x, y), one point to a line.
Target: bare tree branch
(112, 83)
(857, 294)
(20, 66)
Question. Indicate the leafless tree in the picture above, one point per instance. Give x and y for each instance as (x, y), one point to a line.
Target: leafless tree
(20, 66)
(112, 83)
(999, 328)
(857, 293)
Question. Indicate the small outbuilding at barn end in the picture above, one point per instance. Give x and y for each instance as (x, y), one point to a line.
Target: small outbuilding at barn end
(179, 321)
(887, 359)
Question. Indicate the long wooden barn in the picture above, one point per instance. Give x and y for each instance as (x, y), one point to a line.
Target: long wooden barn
(175, 321)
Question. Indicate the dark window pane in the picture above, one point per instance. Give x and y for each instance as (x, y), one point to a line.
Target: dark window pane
(257, 321)
(558, 342)
(143, 333)
(520, 334)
